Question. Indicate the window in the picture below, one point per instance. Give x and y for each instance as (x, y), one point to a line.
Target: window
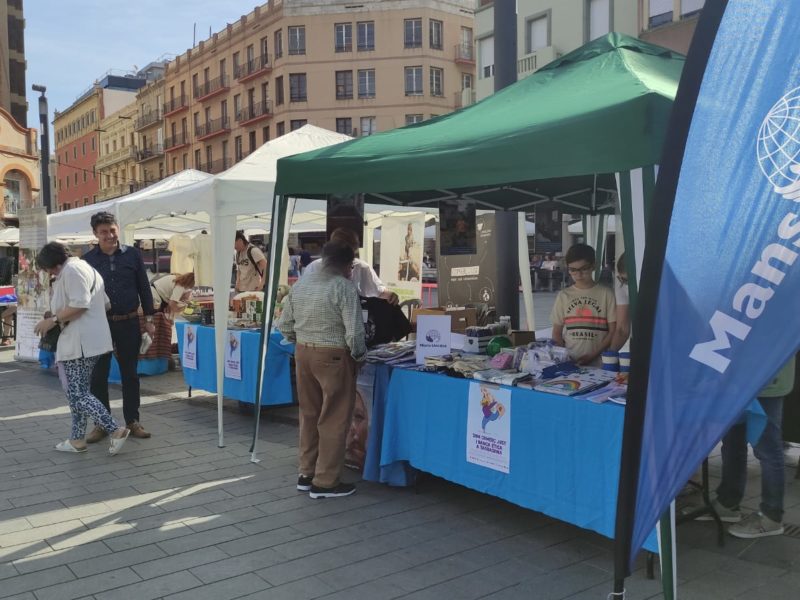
(252, 136)
(297, 40)
(689, 7)
(660, 12)
(185, 161)
(222, 68)
(366, 83)
(265, 134)
(437, 34)
(413, 81)
(195, 85)
(344, 125)
(224, 152)
(344, 85)
(343, 37)
(83, 148)
(75, 177)
(537, 34)
(236, 64)
(598, 18)
(263, 46)
(85, 200)
(437, 81)
(207, 115)
(411, 119)
(297, 124)
(467, 81)
(368, 125)
(206, 76)
(280, 128)
(223, 109)
(75, 151)
(279, 43)
(196, 122)
(237, 105)
(279, 90)
(198, 159)
(237, 148)
(174, 164)
(264, 92)
(412, 35)
(85, 177)
(209, 157)
(366, 36)
(297, 87)
(486, 56)
(250, 54)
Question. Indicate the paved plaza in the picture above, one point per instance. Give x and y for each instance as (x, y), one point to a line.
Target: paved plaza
(177, 517)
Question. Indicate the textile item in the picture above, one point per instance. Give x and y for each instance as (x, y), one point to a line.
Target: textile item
(326, 391)
(82, 404)
(127, 339)
(249, 279)
(166, 290)
(203, 260)
(366, 280)
(324, 309)
(125, 279)
(584, 315)
(182, 248)
(783, 384)
(385, 322)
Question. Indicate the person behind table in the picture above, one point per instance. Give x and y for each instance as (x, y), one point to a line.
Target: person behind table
(172, 292)
(294, 263)
(322, 315)
(584, 314)
(367, 282)
(623, 330)
(127, 286)
(305, 259)
(251, 265)
(78, 307)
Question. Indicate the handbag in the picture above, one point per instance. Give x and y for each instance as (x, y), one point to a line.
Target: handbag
(49, 341)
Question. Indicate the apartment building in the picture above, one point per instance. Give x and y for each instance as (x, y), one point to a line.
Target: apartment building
(149, 128)
(547, 29)
(356, 68)
(116, 166)
(670, 23)
(12, 61)
(20, 176)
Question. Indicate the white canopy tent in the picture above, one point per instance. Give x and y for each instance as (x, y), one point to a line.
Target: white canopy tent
(9, 236)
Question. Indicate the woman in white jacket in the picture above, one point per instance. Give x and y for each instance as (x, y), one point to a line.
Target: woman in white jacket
(79, 308)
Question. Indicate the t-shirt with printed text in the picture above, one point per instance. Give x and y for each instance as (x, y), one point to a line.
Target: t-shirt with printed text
(585, 316)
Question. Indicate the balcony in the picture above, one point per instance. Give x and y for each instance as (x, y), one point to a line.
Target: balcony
(535, 61)
(252, 114)
(213, 128)
(175, 105)
(10, 208)
(149, 152)
(464, 98)
(252, 69)
(114, 191)
(106, 160)
(465, 54)
(149, 118)
(209, 89)
(176, 142)
(216, 166)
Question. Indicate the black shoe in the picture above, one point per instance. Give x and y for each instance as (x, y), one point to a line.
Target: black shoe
(343, 489)
(304, 483)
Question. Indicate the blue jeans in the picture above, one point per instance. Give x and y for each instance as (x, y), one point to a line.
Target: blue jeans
(768, 451)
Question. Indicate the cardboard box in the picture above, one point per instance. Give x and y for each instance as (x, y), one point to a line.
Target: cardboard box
(522, 338)
(461, 317)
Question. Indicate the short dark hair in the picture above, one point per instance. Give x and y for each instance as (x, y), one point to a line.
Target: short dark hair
(241, 236)
(581, 252)
(51, 255)
(622, 268)
(103, 218)
(337, 255)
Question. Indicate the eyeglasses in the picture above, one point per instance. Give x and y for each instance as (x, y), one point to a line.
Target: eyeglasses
(584, 269)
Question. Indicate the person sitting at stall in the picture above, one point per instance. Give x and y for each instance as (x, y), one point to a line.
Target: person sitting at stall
(251, 265)
(623, 330)
(172, 292)
(584, 315)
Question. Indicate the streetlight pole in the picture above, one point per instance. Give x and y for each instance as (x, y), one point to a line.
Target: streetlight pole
(44, 137)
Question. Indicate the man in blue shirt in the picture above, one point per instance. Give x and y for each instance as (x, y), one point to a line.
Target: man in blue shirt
(127, 286)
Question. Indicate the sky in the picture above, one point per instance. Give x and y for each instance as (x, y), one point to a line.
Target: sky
(69, 44)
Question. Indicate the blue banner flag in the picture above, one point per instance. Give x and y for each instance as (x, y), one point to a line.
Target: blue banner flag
(723, 270)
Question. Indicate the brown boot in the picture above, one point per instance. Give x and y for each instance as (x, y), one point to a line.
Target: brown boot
(95, 435)
(137, 430)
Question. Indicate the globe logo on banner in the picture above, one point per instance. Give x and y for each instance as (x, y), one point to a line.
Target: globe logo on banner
(779, 141)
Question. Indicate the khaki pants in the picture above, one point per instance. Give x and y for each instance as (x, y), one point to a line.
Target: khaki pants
(326, 390)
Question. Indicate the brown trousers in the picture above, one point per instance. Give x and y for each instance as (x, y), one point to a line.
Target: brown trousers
(326, 391)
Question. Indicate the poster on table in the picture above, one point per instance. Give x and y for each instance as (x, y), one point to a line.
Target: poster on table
(402, 240)
(233, 356)
(346, 211)
(33, 284)
(433, 336)
(489, 427)
(189, 358)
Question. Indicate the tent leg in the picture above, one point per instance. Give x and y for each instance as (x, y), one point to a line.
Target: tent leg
(666, 529)
(651, 565)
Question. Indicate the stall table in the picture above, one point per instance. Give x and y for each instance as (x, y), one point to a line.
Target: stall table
(565, 452)
(277, 387)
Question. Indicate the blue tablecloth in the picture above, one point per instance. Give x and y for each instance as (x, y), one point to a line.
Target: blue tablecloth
(565, 452)
(277, 388)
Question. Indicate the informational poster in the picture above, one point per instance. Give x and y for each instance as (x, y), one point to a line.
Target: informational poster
(233, 356)
(189, 357)
(433, 336)
(346, 211)
(402, 240)
(33, 284)
(457, 227)
(489, 427)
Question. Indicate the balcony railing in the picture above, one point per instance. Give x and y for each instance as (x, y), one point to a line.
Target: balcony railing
(10, 207)
(535, 61)
(250, 114)
(464, 98)
(252, 68)
(211, 88)
(176, 141)
(212, 128)
(150, 151)
(114, 191)
(216, 166)
(147, 119)
(465, 54)
(175, 105)
(116, 156)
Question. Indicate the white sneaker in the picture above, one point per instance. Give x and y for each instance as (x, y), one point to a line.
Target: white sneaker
(117, 443)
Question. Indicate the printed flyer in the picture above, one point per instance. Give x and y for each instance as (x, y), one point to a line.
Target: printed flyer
(489, 427)
(189, 358)
(233, 356)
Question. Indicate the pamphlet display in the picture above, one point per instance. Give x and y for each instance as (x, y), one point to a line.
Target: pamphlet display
(489, 427)
(433, 336)
(233, 356)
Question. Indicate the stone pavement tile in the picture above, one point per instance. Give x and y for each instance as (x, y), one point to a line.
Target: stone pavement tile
(637, 587)
(22, 492)
(259, 541)
(379, 588)
(216, 520)
(29, 549)
(183, 499)
(115, 560)
(7, 570)
(148, 484)
(151, 589)
(99, 533)
(41, 533)
(158, 517)
(369, 569)
(158, 458)
(56, 558)
(88, 585)
(780, 551)
(554, 585)
(151, 536)
(316, 543)
(34, 581)
(303, 589)
(718, 585)
(237, 565)
(14, 525)
(200, 540)
(179, 562)
(61, 515)
(224, 590)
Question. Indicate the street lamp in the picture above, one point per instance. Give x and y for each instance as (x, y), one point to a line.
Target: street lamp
(45, 146)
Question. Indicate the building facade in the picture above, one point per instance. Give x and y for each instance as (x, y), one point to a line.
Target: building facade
(670, 23)
(116, 166)
(149, 127)
(12, 61)
(19, 168)
(353, 68)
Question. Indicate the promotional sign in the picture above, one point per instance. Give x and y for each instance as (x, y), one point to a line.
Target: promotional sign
(489, 427)
(433, 336)
(457, 227)
(33, 284)
(233, 355)
(402, 241)
(723, 270)
(189, 358)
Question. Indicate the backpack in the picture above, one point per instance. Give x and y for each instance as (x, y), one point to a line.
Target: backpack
(253, 262)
